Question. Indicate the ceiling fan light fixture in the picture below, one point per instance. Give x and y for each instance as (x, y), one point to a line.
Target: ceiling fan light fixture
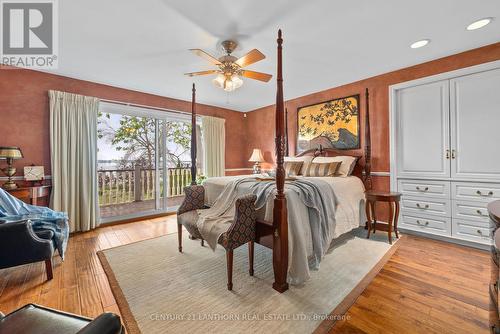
(219, 81)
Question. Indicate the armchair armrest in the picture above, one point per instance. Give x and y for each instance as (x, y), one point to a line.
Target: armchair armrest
(19, 244)
(242, 230)
(194, 199)
(106, 323)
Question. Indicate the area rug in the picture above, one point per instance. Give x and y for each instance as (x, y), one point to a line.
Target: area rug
(160, 290)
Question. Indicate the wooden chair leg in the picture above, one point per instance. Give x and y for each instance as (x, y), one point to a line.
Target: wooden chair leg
(48, 268)
(373, 208)
(179, 236)
(229, 260)
(250, 257)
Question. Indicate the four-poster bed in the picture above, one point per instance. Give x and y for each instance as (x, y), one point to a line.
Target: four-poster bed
(273, 233)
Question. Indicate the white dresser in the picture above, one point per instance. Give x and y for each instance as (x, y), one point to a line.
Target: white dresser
(445, 152)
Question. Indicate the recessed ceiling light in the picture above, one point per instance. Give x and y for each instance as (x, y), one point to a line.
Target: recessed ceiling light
(419, 44)
(479, 23)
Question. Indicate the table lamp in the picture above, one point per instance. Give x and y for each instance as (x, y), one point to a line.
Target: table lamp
(257, 158)
(10, 153)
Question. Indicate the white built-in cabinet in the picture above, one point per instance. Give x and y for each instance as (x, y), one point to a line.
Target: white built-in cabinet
(445, 152)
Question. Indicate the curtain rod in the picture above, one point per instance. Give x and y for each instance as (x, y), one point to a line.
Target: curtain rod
(145, 106)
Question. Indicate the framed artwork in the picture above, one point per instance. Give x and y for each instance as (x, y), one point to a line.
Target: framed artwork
(33, 173)
(332, 124)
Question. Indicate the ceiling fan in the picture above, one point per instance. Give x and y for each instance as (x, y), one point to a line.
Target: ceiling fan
(231, 68)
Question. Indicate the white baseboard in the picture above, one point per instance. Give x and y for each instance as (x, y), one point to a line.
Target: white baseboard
(446, 239)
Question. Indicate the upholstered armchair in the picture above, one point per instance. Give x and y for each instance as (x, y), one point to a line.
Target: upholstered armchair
(241, 231)
(31, 319)
(19, 244)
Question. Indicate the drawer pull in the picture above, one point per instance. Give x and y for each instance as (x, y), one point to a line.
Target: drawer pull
(490, 193)
(479, 212)
(425, 224)
(479, 232)
(420, 189)
(422, 207)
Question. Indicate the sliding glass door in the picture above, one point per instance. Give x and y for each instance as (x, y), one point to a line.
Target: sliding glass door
(143, 161)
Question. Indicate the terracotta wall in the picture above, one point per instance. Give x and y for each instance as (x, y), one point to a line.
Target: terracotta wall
(261, 121)
(24, 113)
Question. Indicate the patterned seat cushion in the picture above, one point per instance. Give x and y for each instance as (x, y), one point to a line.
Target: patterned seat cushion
(188, 220)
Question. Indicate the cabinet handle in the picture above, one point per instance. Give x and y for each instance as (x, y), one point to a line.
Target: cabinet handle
(490, 193)
(419, 223)
(479, 232)
(447, 154)
(425, 189)
(453, 154)
(422, 207)
(479, 212)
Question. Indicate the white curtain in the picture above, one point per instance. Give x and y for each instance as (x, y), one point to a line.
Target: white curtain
(73, 145)
(214, 146)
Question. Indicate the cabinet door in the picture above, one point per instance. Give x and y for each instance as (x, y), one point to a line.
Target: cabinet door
(475, 126)
(423, 130)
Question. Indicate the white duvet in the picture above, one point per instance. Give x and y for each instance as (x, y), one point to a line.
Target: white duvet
(350, 214)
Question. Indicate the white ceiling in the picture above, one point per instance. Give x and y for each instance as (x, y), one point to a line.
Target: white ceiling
(143, 45)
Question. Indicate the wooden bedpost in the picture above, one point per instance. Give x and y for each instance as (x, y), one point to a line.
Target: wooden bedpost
(193, 137)
(287, 150)
(368, 148)
(280, 216)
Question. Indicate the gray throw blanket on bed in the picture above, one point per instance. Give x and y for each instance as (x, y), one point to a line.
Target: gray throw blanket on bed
(317, 195)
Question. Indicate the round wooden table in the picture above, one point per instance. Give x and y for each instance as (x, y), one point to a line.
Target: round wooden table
(392, 198)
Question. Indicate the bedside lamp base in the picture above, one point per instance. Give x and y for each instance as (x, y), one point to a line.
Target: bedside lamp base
(256, 168)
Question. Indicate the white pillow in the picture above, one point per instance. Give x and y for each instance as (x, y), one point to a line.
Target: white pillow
(305, 159)
(346, 167)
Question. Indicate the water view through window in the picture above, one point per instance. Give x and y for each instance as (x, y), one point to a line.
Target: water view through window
(143, 161)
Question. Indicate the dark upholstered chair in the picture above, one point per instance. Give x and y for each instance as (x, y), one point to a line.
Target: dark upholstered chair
(19, 244)
(241, 231)
(31, 319)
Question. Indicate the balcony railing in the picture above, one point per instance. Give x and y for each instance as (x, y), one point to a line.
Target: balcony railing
(119, 186)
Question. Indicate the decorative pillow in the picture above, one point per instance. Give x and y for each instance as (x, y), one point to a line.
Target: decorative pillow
(292, 168)
(305, 159)
(323, 169)
(347, 166)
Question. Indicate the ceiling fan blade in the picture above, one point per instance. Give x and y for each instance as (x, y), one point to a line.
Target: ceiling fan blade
(256, 75)
(192, 74)
(206, 56)
(250, 58)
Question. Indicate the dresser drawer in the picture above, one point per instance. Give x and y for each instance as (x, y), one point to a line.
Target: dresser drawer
(440, 189)
(434, 225)
(469, 230)
(426, 206)
(470, 210)
(485, 192)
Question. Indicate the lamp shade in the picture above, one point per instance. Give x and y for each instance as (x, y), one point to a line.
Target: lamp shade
(10, 152)
(256, 156)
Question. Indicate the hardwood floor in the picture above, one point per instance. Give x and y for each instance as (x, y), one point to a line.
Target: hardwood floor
(426, 287)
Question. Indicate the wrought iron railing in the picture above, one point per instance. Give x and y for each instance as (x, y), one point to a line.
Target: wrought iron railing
(118, 186)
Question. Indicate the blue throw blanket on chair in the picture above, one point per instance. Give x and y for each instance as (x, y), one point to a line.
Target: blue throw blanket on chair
(42, 218)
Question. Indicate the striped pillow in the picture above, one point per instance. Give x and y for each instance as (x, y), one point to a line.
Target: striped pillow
(323, 169)
(292, 168)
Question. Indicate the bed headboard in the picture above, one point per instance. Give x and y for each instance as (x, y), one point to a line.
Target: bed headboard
(363, 163)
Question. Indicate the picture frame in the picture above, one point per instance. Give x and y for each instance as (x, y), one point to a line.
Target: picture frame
(332, 124)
